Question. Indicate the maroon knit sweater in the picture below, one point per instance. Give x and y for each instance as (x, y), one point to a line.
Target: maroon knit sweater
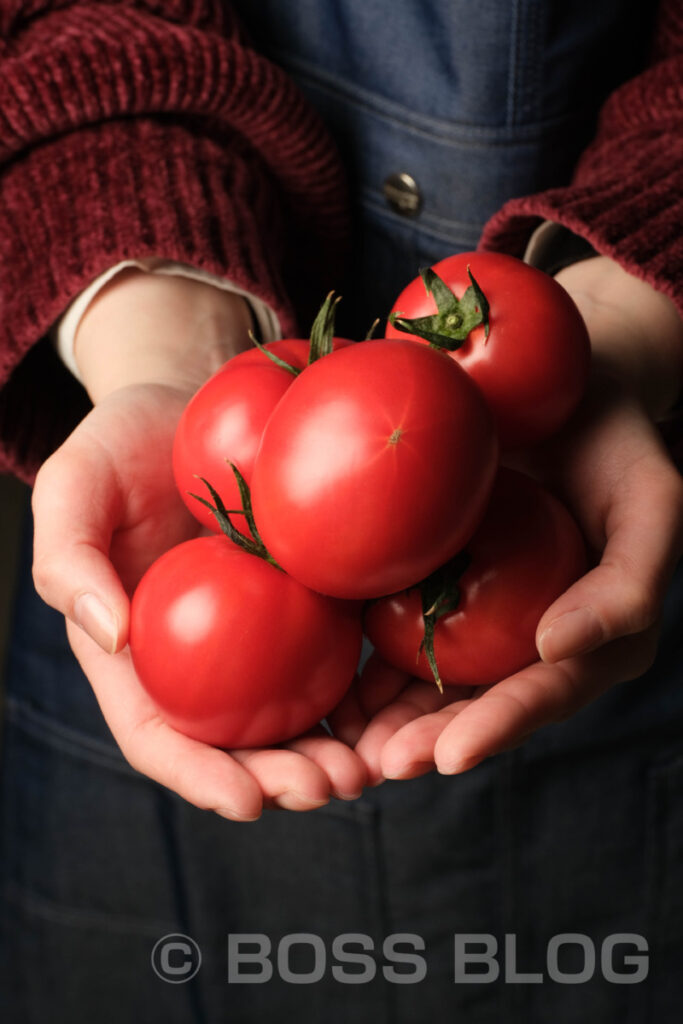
(151, 128)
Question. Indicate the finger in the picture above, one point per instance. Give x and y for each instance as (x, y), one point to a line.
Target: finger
(378, 685)
(348, 720)
(623, 594)
(417, 699)
(343, 768)
(286, 778)
(72, 533)
(541, 694)
(410, 751)
(202, 775)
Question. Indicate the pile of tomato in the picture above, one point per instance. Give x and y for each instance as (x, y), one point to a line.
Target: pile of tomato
(359, 487)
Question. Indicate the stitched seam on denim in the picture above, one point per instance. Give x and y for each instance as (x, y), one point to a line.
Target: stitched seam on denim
(373, 198)
(535, 57)
(659, 793)
(378, 892)
(60, 914)
(426, 224)
(59, 736)
(167, 821)
(423, 124)
(79, 745)
(508, 782)
(651, 884)
(513, 59)
(525, 59)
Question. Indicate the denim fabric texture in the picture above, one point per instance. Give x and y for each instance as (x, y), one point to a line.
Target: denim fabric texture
(579, 831)
(477, 102)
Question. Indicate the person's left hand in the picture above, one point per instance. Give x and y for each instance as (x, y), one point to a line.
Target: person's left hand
(106, 506)
(611, 468)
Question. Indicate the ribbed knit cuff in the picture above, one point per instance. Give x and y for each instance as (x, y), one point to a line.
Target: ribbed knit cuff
(81, 203)
(134, 130)
(633, 227)
(626, 198)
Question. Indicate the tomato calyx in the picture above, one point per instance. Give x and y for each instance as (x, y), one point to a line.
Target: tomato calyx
(371, 330)
(282, 363)
(322, 330)
(440, 594)
(455, 318)
(321, 338)
(253, 545)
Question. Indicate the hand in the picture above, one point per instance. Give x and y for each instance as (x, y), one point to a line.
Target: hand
(105, 506)
(611, 468)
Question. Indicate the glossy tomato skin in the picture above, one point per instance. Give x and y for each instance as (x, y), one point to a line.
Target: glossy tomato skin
(533, 367)
(374, 468)
(526, 552)
(234, 652)
(225, 420)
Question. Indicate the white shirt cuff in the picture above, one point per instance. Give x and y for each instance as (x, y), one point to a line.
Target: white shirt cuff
(64, 331)
(537, 241)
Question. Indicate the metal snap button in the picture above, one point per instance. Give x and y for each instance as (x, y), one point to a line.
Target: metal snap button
(403, 194)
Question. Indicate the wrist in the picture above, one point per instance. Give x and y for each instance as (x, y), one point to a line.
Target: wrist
(636, 332)
(143, 328)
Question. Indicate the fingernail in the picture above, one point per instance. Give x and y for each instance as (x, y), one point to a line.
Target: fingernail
(348, 796)
(400, 771)
(457, 767)
(292, 801)
(93, 616)
(572, 633)
(227, 812)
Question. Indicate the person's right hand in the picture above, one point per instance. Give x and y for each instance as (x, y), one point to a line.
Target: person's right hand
(105, 507)
(608, 463)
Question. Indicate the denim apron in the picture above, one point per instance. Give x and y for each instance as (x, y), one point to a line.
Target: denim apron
(578, 834)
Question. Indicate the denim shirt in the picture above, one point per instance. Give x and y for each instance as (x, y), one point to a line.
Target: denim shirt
(477, 102)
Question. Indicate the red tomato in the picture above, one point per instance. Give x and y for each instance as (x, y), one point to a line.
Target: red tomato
(235, 652)
(374, 468)
(533, 367)
(526, 552)
(225, 420)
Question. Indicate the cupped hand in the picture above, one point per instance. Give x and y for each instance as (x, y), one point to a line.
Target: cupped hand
(105, 507)
(611, 468)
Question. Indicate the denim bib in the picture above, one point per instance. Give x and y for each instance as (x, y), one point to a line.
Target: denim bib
(475, 102)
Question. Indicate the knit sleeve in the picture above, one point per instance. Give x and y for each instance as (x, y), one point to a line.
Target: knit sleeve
(133, 130)
(626, 196)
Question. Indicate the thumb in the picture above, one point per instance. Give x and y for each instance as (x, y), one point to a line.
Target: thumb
(623, 594)
(77, 502)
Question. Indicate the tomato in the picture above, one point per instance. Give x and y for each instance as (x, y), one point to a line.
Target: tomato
(533, 366)
(374, 468)
(234, 652)
(525, 553)
(225, 420)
